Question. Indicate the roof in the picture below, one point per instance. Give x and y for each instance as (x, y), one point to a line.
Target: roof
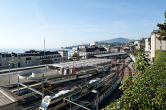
(30, 53)
(81, 63)
(94, 49)
(155, 32)
(110, 54)
(6, 98)
(62, 50)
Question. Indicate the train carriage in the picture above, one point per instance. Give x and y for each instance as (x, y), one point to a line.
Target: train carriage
(57, 101)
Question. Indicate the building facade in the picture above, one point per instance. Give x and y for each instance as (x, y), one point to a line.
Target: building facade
(148, 47)
(74, 50)
(147, 44)
(156, 44)
(90, 52)
(31, 58)
(95, 44)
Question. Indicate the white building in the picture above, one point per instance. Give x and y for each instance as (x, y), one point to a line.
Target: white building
(74, 50)
(82, 46)
(96, 44)
(90, 52)
(148, 47)
(156, 44)
(147, 44)
(137, 44)
(63, 55)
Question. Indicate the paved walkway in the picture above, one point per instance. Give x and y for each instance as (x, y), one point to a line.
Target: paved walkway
(4, 78)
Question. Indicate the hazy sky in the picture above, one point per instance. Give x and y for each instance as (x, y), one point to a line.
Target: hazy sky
(25, 23)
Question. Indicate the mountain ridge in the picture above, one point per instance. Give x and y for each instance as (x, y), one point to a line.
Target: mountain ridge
(119, 39)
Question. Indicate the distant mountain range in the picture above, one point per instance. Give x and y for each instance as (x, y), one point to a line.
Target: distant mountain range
(120, 39)
(116, 40)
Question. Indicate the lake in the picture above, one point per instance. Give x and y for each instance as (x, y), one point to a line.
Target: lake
(23, 50)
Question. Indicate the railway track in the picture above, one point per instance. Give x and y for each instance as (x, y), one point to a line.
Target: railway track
(67, 86)
(36, 107)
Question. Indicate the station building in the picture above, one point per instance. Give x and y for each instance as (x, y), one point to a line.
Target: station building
(31, 58)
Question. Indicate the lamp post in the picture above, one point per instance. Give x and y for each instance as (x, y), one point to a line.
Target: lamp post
(97, 98)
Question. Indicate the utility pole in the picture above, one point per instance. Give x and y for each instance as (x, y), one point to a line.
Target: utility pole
(9, 73)
(18, 86)
(43, 85)
(44, 48)
(115, 65)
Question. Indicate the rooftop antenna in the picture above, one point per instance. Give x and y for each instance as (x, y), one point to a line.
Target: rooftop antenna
(44, 48)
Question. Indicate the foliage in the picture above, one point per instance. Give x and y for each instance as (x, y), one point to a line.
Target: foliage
(162, 28)
(75, 55)
(159, 55)
(135, 53)
(141, 62)
(148, 91)
(125, 83)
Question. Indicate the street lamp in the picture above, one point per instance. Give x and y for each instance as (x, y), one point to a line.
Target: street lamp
(97, 100)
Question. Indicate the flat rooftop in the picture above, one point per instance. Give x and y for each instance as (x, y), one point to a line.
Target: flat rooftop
(6, 98)
(110, 54)
(82, 63)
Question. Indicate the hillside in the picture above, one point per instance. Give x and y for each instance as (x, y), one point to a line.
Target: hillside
(120, 39)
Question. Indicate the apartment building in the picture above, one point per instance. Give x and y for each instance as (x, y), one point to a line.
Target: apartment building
(156, 44)
(75, 50)
(148, 47)
(91, 51)
(63, 55)
(31, 58)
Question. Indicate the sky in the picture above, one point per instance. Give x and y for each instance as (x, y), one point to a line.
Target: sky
(26, 23)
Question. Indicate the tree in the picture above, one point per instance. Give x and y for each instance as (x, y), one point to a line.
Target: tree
(162, 28)
(141, 62)
(75, 55)
(135, 53)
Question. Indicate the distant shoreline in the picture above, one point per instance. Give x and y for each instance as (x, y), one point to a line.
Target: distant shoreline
(23, 50)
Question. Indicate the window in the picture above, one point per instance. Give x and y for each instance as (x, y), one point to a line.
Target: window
(75, 96)
(28, 58)
(160, 47)
(161, 41)
(55, 104)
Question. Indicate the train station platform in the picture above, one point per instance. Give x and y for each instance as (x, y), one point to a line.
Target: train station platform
(110, 55)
